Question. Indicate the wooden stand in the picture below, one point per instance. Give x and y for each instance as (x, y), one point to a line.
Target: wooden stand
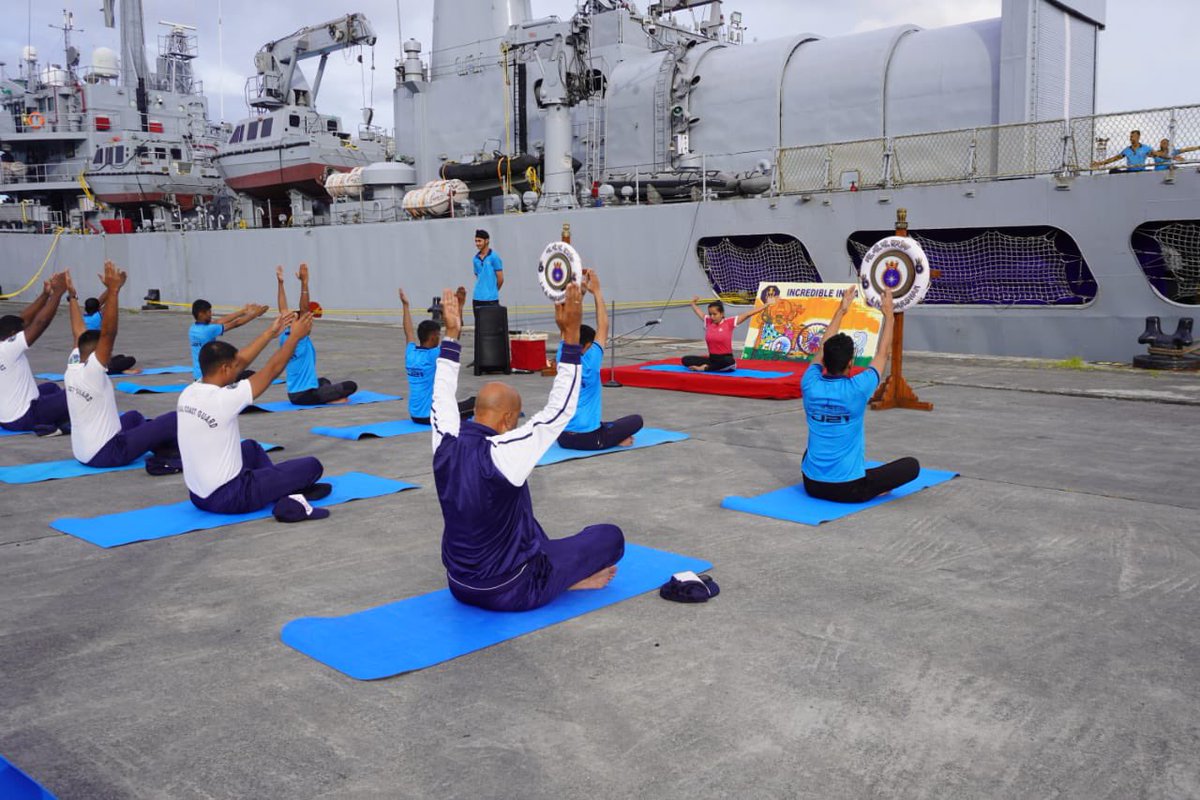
(895, 392)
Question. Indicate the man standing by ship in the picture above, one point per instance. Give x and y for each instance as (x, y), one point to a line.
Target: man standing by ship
(489, 272)
(1135, 155)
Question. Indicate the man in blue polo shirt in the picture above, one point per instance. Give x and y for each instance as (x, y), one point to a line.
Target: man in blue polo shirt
(304, 386)
(205, 330)
(420, 363)
(1135, 155)
(835, 405)
(585, 431)
(489, 272)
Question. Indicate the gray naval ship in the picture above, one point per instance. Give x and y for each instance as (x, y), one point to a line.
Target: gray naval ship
(687, 161)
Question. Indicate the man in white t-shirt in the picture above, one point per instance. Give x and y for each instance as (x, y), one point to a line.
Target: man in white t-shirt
(224, 474)
(26, 405)
(99, 436)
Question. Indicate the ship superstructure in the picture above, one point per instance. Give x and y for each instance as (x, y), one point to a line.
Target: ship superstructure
(688, 161)
(110, 140)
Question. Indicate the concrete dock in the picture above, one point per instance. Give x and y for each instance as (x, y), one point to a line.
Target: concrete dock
(1027, 630)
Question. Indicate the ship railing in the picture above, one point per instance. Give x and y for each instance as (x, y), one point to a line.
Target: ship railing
(1055, 147)
(15, 174)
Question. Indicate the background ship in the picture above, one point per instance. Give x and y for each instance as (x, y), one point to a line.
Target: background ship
(688, 162)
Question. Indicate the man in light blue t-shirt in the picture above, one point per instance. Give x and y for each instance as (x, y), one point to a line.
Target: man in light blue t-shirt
(205, 330)
(305, 387)
(586, 431)
(118, 363)
(835, 405)
(1165, 156)
(1135, 155)
(420, 363)
(489, 272)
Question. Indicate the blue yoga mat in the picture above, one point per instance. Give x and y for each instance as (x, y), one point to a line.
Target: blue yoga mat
(765, 374)
(381, 430)
(356, 399)
(178, 369)
(646, 437)
(70, 468)
(159, 522)
(129, 387)
(16, 785)
(421, 631)
(6, 432)
(792, 504)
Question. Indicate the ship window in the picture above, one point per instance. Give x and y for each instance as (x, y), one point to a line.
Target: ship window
(252, 132)
(1169, 255)
(238, 132)
(1023, 266)
(331, 125)
(293, 120)
(176, 154)
(119, 154)
(265, 130)
(98, 159)
(736, 265)
(160, 153)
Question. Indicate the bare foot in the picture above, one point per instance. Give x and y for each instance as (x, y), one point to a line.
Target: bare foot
(343, 400)
(626, 443)
(696, 369)
(132, 372)
(599, 580)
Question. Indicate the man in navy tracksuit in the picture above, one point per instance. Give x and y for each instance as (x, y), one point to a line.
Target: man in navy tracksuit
(496, 554)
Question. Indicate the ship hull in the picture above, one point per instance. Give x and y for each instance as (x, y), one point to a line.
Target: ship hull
(648, 254)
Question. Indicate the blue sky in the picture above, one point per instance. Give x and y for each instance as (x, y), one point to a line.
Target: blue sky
(1147, 55)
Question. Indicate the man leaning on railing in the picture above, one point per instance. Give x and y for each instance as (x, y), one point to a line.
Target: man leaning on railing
(1135, 155)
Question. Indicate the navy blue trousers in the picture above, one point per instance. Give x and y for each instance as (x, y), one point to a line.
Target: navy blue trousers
(609, 434)
(48, 410)
(261, 482)
(138, 436)
(561, 564)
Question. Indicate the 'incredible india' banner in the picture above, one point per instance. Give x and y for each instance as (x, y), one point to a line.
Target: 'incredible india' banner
(791, 329)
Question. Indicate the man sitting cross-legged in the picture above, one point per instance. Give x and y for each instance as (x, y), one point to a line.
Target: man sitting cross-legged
(496, 554)
(835, 404)
(224, 474)
(585, 431)
(304, 387)
(420, 362)
(25, 404)
(205, 330)
(99, 436)
(93, 317)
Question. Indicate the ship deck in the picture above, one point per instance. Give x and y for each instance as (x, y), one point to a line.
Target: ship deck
(1026, 630)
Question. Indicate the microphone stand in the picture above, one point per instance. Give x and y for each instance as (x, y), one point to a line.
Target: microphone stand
(612, 382)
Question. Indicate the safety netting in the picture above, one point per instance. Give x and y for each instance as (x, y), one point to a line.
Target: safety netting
(1009, 266)
(1169, 254)
(735, 265)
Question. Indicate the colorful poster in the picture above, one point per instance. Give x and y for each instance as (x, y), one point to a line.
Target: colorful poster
(791, 329)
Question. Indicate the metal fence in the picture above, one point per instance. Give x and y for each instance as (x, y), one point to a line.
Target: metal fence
(988, 153)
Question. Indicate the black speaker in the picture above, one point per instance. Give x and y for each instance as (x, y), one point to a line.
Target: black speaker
(491, 340)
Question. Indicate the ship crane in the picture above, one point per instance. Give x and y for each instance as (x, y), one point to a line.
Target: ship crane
(277, 83)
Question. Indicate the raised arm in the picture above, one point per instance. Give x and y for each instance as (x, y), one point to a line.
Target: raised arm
(410, 333)
(591, 283)
(696, 307)
(302, 274)
(743, 317)
(77, 324)
(30, 312)
(517, 452)
(444, 414)
(835, 323)
(280, 291)
(301, 326)
(239, 318)
(113, 279)
(249, 352)
(37, 326)
(883, 352)
(1107, 161)
(1192, 149)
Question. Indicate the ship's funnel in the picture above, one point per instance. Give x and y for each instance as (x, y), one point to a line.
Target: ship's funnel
(468, 28)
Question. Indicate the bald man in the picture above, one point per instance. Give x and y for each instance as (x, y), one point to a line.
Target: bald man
(496, 554)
